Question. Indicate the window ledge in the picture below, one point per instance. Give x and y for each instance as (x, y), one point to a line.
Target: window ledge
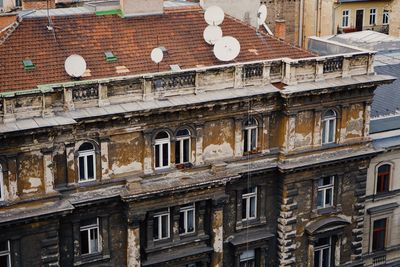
(328, 210)
(168, 243)
(85, 259)
(249, 223)
(384, 195)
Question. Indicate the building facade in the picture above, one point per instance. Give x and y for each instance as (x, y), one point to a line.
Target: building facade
(258, 162)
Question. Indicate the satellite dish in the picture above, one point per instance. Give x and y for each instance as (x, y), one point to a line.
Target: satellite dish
(261, 15)
(212, 34)
(227, 48)
(157, 55)
(75, 66)
(214, 15)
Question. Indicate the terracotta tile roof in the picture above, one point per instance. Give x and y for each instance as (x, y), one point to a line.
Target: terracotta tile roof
(131, 41)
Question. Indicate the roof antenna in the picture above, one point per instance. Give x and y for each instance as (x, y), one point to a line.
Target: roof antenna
(50, 26)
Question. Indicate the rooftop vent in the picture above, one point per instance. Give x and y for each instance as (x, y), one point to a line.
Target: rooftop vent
(110, 56)
(28, 65)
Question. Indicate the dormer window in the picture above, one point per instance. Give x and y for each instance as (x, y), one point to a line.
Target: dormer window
(86, 162)
(182, 147)
(162, 150)
(250, 135)
(329, 127)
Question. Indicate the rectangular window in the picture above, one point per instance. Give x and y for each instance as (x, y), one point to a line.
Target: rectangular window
(385, 19)
(89, 232)
(161, 225)
(328, 129)
(322, 253)
(379, 234)
(182, 150)
(345, 18)
(250, 139)
(325, 192)
(161, 154)
(248, 258)
(372, 16)
(5, 255)
(186, 220)
(87, 171)
(383, 178)
(249, 203)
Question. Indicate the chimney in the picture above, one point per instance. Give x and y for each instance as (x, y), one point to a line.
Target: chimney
(280, 29)
(132, 8)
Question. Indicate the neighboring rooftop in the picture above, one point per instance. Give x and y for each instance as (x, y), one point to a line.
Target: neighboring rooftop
(79, 31)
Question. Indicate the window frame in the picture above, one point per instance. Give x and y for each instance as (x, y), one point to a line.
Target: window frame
(247, 197)
(88, 228)
(385, 17)
(248, 258)
(179, 142)
(372, 16)
(321, 249)
(85, 154)
(159, 215)
(247, 135)
(2, 197)
(386, 237)
(160, 142)
(7, 253)
(324, 189)
(185, 210)
(389, 180)
(347, 17)
(326, 128)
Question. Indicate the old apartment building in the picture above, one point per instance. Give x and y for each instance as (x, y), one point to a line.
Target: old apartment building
(261, 161)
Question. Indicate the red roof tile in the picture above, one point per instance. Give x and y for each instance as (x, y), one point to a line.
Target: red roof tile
(131, 41)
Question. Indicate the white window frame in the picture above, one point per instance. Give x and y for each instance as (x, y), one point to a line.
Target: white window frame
(323, 189)
(1, 184)
(88, 228)
(326, 128)
(247, 197)
(385, 17)
(185, 210)
(159, 226)
(85, 154)
(7, 253)
(321, 249)
(347, 17)
(160, 143)
(247, 255)
(372, 15)
(181, 139)
(247, 134)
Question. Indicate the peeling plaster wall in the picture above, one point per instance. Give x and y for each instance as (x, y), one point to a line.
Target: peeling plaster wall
(31, 174)
(126, 153)
(355, 123)
(219, 138)
(304, 129)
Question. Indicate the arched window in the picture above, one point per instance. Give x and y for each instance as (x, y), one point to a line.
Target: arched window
(162, 150)
(1, 184)
(329, 127)
(250, 135)
(86, 162)
(383, 178)
(182, 146)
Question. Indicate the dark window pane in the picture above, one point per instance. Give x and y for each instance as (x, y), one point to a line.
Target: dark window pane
(90, 167)
(86, 146)
(84, 242)
(190, 221)
(327, 180)
(186, 150)
(162, 135)
(89, 222)
(245, 138)
(244, 208)
(82, 168)
(379, 235)
(331, 131)
(317, 256)
(164, 226)
(328, 197)
(181, 222)
(252, 207)
(157, 155)
(3, 246)
(94, 243)
(178, 152)
(183, 132)
(165, 153)
(4, 261)
(155, 228)
(320, 199)
(253, 139)
(325, 257)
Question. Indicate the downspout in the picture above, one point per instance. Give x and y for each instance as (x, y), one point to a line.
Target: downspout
(301, 23)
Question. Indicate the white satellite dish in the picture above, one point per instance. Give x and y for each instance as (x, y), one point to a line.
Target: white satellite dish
(261, 15)
(212, 34)
(227, 48)
(75, 66)
(157, 55)
(214, 15)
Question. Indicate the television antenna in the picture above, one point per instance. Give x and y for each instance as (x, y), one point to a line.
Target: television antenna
(227, 48)
(75, 66)
(214, 16)
(261, 17)
(212, 34)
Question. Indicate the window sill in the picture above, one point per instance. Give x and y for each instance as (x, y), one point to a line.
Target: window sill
(85, 259)
(244, 224)
(168, 243)
(384, 195)
(182, 166)
(322, 211)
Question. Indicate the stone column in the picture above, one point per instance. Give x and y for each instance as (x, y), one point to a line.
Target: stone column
(217, 233)
(48, 171)
(68, 101)
(70, 153)
(346, 66)
(238, 137)
(133, 246)
(147, 88)
(148, 153)
(266, 78)
(105, 168)
(238, 76)
(199, 144)
(310, 257)
(319, 70)
(103, 95)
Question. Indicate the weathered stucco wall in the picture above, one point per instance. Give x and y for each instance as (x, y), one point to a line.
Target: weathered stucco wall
(31, 174)
(218, 142)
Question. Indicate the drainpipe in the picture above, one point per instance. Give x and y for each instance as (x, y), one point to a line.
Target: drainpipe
(301, 23)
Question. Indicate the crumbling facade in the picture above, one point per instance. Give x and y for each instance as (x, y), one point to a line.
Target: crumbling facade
(259, 162)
